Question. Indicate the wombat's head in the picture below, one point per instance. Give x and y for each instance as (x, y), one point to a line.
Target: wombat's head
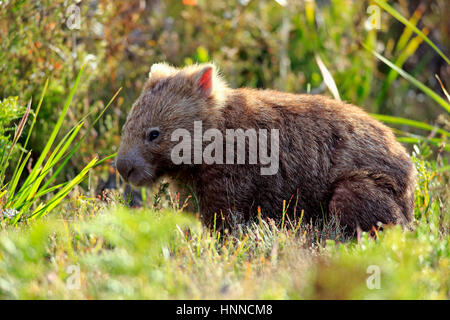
(172, 99)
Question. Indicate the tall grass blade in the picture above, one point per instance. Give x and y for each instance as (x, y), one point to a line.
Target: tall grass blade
(37, 167)
(443, 88)
(78, 144)
(56, 155)
(36, 113)
(17, 134)
(407, 31)
(397, 15)
(56, 200)
(15, 179)
(328, 78)
(410, 123)
(414, 81)
(392, 75)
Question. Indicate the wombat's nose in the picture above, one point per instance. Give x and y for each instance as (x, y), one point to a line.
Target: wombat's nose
(124, 167)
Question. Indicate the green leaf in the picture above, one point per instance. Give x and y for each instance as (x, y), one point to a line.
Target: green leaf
(414, 81)
(397, 15)
(410, 123)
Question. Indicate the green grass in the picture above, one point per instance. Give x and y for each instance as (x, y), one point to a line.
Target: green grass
(397, 15)
(102, 250)
(26, 199)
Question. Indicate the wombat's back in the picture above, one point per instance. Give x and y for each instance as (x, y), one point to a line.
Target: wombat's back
(334, 158)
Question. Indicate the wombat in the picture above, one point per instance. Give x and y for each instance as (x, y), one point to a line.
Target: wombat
(333, 159)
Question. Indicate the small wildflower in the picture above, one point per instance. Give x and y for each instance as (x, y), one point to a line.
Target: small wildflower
(10, 213)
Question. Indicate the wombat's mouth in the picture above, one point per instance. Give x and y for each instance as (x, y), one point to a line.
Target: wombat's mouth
(134, 169)
(141, 178)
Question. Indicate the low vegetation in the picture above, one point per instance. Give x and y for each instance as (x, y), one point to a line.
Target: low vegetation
(89, 249)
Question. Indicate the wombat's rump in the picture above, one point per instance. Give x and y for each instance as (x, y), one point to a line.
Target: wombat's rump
(334, 159)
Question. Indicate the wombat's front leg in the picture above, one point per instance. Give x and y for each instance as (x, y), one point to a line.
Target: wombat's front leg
(360, 202)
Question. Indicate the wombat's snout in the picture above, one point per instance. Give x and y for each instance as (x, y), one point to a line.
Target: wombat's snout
(125, 167)
(133, 168)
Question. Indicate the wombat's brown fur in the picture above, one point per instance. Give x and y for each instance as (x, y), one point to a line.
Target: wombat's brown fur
(334, 159)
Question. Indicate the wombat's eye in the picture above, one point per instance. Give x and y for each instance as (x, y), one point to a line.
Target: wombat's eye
(152, 134)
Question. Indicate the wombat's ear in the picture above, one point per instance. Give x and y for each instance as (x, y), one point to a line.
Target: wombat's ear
(204, 80)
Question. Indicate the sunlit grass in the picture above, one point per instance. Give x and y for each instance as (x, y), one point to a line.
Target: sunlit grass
(397, 15)
(26, 201)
